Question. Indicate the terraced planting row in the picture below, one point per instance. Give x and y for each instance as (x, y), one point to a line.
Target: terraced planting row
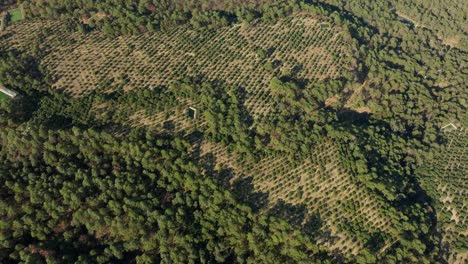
(308, 47)
(448, 182)
(174, 120)
(318, 188)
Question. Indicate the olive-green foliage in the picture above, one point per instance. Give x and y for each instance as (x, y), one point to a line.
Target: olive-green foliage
(75, 195)
(87, 196)
(129, 17)
(36, 101)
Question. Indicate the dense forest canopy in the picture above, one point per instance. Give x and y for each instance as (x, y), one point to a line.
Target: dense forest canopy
(342, 140)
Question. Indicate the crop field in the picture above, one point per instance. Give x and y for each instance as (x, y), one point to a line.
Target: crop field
(319, 188)
(449, 183)
(310, 48)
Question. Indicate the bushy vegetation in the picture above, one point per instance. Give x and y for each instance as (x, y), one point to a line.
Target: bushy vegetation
(85, 196)
(446, 20)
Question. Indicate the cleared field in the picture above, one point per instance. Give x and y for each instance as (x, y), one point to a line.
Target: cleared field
(310, 48)
(447, 180)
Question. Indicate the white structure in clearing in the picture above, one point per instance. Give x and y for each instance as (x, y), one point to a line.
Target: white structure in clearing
(449, 127)
(195, 112)
(8, 92)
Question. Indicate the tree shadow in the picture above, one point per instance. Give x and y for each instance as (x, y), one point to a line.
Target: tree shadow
(270, 51)
(245, 192)
(375, 242)
(313, 224)
(294, 214)
(169, 126)
(276, 64)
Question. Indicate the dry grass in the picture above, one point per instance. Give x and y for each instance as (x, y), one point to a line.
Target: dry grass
(332, 100)
(453, 41)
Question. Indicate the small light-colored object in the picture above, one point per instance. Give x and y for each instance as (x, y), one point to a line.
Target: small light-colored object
(449, 127)
(195, 112)
(8, 92)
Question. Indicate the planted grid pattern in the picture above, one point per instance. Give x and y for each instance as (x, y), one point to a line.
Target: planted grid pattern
(320, 184)
(80, 63)
(451, 181)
